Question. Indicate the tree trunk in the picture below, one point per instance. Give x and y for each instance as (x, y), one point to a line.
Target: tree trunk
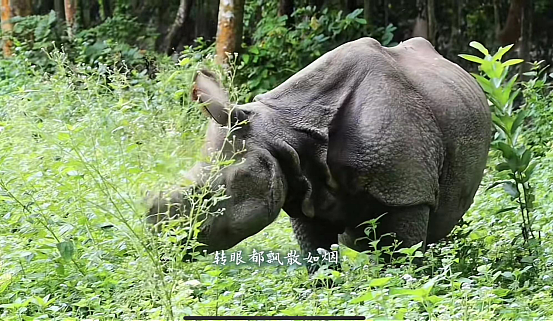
(511, 31)
(206, 14)
(496, 18)
(367, 11)
(455, 28)
(42, 7)
(22, 8)
(421, 23)
(350, 5)
(286, 8)
(177, 30)
(230, 26)
(10, 9)
(70, 17)
(431, 14)
(317, 3)
(85, 12)
(105, 9)
(386, 12)
(526, 35)
(7, 28)
(59, 9)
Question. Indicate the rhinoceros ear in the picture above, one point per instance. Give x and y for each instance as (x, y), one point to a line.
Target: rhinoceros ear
(208, 90)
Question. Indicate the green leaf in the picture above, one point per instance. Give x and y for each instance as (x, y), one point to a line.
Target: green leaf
(420, 292)
(254, 50)
(506, 149)
(518, 121)
(511, 81)
(497, 69)
(530, 169)
(66, 249)
(480, 47)
(511, 62)
(500, 52)
(501, 292)
(484, 83)
(497, 183)
(363, 298)
(525, 160)
(506, 209)
(246, 58)
(64, 136)
(511, 189)
(472, 58)
(379, 282)
(502, 167)
(499, 124)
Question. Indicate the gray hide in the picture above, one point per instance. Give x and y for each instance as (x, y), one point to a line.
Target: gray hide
(363, 131)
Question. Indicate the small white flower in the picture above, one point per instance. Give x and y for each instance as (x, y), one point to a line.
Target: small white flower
(193, 283)
(334, 247)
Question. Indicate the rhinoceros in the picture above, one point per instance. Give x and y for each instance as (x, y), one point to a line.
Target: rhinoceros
(363, 132)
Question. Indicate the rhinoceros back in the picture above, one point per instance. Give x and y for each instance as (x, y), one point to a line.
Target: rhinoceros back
(402, 125)
(463, 116)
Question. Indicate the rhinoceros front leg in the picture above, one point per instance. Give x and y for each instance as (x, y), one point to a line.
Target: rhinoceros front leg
(313, 234)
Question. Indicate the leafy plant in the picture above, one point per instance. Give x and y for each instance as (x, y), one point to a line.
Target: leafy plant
(517, 157)
(278, 51)
(35, 35)
(538, 101)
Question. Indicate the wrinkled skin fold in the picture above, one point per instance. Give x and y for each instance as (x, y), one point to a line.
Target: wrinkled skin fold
(361, 132)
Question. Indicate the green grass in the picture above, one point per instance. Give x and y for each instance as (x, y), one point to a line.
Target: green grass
(78, 155)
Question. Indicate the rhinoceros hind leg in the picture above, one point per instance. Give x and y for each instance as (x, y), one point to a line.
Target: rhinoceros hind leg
(408, 224)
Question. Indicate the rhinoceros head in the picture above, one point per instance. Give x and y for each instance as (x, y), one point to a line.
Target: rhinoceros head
(255, 186)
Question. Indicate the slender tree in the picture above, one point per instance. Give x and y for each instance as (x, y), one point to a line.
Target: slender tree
(86, 13)
(421, 23)
(59, 8)
(70, 16)
(386, 12)
(526, 34)
(510, 33)
(230, 27)
(177, 30)
(10, 9)
(286, 8)
(431, 14)
(317, 3)
(7, 27)
(22, 8)
(367, 11)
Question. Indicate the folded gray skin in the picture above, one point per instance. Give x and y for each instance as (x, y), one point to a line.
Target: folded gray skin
(363, 131)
